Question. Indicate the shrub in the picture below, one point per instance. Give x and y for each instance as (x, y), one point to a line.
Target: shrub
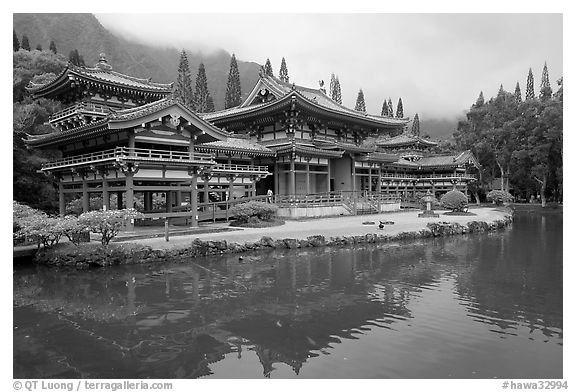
(245, 212)
(455, 201)
(71, 227)
(108, 223)
(41, 229)
(499, 197)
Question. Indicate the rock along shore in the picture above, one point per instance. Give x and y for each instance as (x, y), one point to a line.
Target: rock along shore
(341, 231)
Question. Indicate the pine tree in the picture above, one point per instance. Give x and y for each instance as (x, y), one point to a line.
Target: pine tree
(201, 94)
(53, 47)
(416, 125)
(332, 85)
(73, 57)
(81, 62)
(25, 43)
(399, 109)
(283, 75)
(390, 108)
(545, 89)
(268, 68)
(15, 42)
(183, 88)
(233, 90)
(384, 109)
(530, 86)
(360, 104)
(480, 100)
(501, 91)
(337, 97)
(209, 104)
(39, 47)
(517, 94)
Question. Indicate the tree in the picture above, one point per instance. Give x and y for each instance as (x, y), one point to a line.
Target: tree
(360, 104)
(201, 93)
(15, 42)
(530, 85)
(39, 47)
(384, 109)
(233, 90)
(480, 100)
(332, 85)
(390, 108)
(454, 200)
(53, 47)
(416, 125)
(283, 75)
(183, 88)
(268, 68)
(337, 96)
(545, 89)
(399, 109)
(210, 104)
(518, 94)
(74, 57)
(25, 43)
(108, 223)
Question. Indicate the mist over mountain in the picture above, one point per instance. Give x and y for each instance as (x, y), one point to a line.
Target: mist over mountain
(85, 33)
(438, 128)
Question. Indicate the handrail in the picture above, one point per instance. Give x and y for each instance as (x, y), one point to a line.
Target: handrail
(81, 107)
(424, 176)
(235, 167)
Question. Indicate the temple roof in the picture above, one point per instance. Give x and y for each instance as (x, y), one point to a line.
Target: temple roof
(440, 161)
(405, 139)
(101, 73)
(129, 118)
(236, 144)
(314, 98)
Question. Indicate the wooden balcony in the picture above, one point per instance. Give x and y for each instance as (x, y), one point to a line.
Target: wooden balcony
(427, 177)
(80, 109)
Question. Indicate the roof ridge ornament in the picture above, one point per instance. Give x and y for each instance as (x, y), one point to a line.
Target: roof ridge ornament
(103, 63)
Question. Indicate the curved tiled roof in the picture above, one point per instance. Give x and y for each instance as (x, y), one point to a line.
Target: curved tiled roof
(316, 98)
(405, 139)
(236, 144)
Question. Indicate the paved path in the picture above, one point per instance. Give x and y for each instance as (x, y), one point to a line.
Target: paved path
(405, 221)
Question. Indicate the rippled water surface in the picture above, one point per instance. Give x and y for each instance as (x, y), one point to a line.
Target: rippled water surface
(478, 306)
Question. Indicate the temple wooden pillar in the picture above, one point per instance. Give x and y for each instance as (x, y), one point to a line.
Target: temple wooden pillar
(105, 194)
(353, 173)
(276, 179)
(370, 177)
(130, 196)
(148, 204)
(85, 195)
(379, 180)
(308, 177)
(178, 195)
(206, 189)
(292, 180)
(168, 201)
(61, 200)
(328, 175)
(194, 200)
(119, 204)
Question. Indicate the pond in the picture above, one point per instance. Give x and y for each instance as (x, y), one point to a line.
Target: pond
(475, 306)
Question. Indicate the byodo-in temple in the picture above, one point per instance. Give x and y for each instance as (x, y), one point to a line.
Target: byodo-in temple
(126, 138)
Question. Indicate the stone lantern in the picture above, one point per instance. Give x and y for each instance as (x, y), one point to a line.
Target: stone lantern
(428, 212)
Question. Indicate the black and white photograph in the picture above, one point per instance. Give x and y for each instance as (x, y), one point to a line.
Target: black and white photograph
(286, 195)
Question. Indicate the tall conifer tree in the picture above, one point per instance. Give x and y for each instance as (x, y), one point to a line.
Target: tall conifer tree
(390, 108)
(332, 85)
(283, 75)
(209, 104)
(416, 125)
(268, 68)
(501, 91)
(25, 43)
(201, 94)
(360, 103)
(517, 94)
(53, 47)
(337, 96)
(480, 100)
(400, 109)
(545, 89)
(233, 90)
(384, 109)
(530, 86)
(183, 88)
(15, 42)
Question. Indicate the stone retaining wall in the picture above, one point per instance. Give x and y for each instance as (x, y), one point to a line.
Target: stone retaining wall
(97, 255)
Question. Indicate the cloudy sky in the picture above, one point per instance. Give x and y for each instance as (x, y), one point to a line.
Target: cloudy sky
(437, 63)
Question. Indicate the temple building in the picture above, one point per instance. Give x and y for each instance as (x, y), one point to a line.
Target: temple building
(126, 138)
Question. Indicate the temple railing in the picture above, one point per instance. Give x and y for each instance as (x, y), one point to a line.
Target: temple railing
(233, 168)
(125, 153)
(426, 176)
(84, 108)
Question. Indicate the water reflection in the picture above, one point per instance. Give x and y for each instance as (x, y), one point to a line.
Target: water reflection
(472, 306)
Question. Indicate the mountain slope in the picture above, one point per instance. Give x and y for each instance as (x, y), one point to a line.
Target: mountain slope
(85, 33)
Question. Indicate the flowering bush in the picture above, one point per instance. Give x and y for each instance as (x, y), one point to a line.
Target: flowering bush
(108, 223)
(454, 200)
(499, 197)
(245, 212)
(71, 227)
